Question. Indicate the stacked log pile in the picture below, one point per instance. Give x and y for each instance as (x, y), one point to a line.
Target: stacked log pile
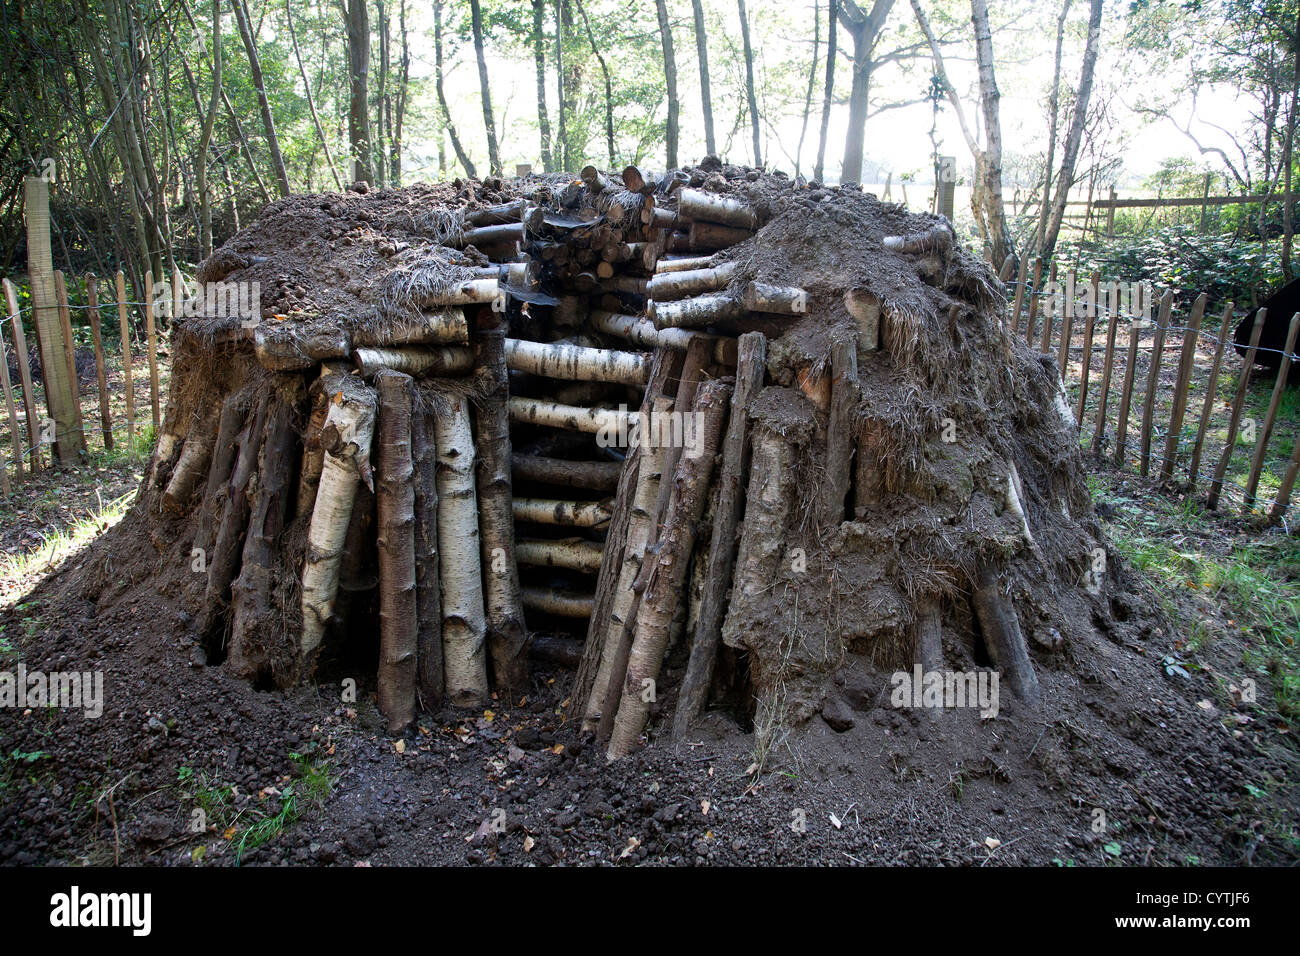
(592, 422)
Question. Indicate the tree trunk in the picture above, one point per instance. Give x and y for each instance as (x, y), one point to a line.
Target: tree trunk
(442, 96)
(259, 84)
(1074, 135)
(812, 84)
(357, 20)
(670, 80)
(205, 140)
(706, 97)
(998, 235)
(819, 170)
(749, 85)
(306, 82)
(539, 62)
(489, 122)
(865, 29)
(428, 599)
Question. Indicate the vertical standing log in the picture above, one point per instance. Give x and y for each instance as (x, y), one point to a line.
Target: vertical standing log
(507, 635)
(101, 374)
(151, 336)
(24, 376)
(313, 454)
(1067, 324)
(615, 574)
(642, 526)
(253, 611)
(346, 438)
(60, 391)
(224, 561)
(1045, 346)
(428, 600)
(1261, 444)
(69, 357)
(1181, 385)
(1033, 302)
(1153, 377)
(1107, 369)
(1085, 368)
(1002, 635)
(840, 430)
(234, 409)
(750, 363)
(1020, 296)
(1211, 387)
(124, 322)
(395, 503)
(768, 503)
(464, 623)
(927, 649)
(1283, 500)
(1126, 391)
(667, 579)
(1234, 419)
(191, 463)
(15, 439)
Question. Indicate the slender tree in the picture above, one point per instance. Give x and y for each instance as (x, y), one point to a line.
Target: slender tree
(263, 101)
(449, 125)
(819, 169)
(865, 29)
(1074, 133)
(812, 83)
(489, 122)
(539, 61)
(670, 80)
(706, 96)
(311, 103)
(357, 21)
(749, 82)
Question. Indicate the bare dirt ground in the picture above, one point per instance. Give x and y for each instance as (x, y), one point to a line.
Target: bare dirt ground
(1153, 758)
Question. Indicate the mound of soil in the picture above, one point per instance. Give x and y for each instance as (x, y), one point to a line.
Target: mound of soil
(966, 519)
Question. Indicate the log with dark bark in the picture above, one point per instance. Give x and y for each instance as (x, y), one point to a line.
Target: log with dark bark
(254, 611)
(667, 579)
(722, 546)
(395, 504)
(507, 634)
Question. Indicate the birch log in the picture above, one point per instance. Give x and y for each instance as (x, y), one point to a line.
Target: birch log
(557, 360)
(464, 621)
(428, 599)
(346, 438)
(667, 580)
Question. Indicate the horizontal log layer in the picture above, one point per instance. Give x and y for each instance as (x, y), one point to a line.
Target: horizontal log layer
(420, 362)
(683, 263)
(668, 286)
(447, 326)
(573, 554)
(558, 360)
(643, 332)
(573, 514)
(696, 205)
(534, 411)
(593, 475)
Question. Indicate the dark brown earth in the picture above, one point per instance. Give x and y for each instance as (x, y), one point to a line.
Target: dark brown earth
(1173, 777)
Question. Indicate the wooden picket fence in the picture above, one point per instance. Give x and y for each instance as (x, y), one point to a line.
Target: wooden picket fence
(31, 432)
(1043, 313)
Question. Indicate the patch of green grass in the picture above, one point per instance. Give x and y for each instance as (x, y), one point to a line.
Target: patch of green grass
(59, 543)
(1256, 578)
